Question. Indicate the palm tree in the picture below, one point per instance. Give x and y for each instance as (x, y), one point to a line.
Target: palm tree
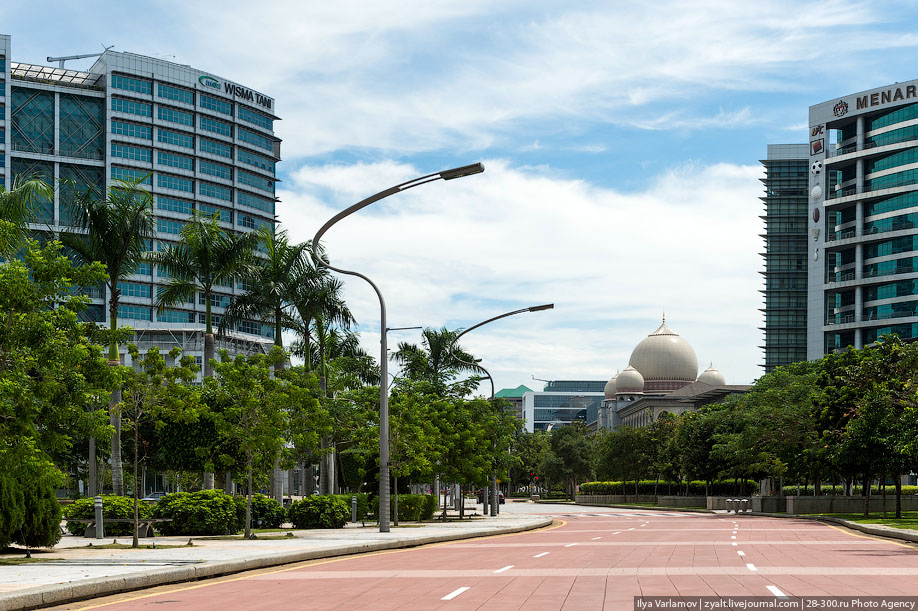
(116, 230)
(322, 313)
(433, 361)
(206, 256)
(16, 209)
(274, 281)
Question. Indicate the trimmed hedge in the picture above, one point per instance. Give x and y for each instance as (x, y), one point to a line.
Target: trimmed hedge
(205, 512)
(325, 511)
(840, 490)
(695, 488)
(113, 507)
(411, 507)
(363, 505)
(266, 512)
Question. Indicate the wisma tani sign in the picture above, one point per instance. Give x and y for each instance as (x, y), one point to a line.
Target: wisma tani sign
(237, 91)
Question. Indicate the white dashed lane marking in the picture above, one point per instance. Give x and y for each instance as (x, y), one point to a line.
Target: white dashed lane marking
(774, 590)
(455, 593)
(542, 554)
(751, 566)
(506, 568)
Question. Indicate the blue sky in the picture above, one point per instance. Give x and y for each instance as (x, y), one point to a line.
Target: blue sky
(621, 142)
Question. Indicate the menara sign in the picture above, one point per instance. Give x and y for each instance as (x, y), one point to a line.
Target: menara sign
(237, 91)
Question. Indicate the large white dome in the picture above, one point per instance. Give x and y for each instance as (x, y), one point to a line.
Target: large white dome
(665, 357)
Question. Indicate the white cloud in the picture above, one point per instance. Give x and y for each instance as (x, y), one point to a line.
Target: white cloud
(460, 252)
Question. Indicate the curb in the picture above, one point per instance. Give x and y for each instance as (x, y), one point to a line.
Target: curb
(44, 596)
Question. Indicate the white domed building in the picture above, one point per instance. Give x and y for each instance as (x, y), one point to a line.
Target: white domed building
(661, 377)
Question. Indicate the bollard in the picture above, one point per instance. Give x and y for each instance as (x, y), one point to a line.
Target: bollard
(98, 507)
(728, 503)
(353, 509)
(745, 506)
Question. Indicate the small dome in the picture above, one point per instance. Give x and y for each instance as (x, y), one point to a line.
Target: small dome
(610, 387)
(712, 376)
(630, 380)
(665, 356)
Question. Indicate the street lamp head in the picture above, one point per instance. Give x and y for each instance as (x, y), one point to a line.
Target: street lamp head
(547, 306)
(466, 170)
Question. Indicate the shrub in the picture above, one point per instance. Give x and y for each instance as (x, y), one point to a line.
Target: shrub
(647, 487)
(12, 510)
(363, 504)
(411, 507)
(430, 507)
(266, 512)
(205, 512)
(319, 512)
(42, 527)
(113, 507)
(855, 490)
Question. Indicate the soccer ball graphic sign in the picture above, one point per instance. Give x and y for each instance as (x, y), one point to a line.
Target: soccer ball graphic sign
(816, 168)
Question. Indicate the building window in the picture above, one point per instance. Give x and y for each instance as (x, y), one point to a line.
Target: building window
(216, 104)
(215, 191)
(258, 161)
(167, 226)
(175, 138)
(130, 175)
(175, 93)
(175, 116)
(254, 139)
(133, 289)
(253, 201)
(215, 148)
(264, 184)
(167, 181)
(224, 215)
(132, 107)
(130, 312)
(173, 205)
(134, 153)
(214, 125)
(132, 130)
(216, 300)
(255, 118)
(215, 169)
(178, 316)
(127, 83)
(175, 161)
(82, 126)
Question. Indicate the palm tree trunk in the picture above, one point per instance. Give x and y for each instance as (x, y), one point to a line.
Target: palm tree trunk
(248, 499)
(115, 401)
(395, 502)
(209, 349)
(135, 542)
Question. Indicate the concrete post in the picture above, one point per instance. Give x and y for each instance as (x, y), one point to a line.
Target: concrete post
(353, 509)
(98, 508)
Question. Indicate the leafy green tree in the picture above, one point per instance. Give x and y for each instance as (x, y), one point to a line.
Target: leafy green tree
(151, 390)
(695, 436)
(116, 229)
(624, 454)
(16, 209)
(569, 456)
(432, 361)
(412, 435)
(207, 256)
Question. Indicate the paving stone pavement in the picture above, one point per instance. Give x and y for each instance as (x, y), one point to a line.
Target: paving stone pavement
(74, 571)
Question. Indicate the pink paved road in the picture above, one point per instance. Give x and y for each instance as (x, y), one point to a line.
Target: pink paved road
(596, 560)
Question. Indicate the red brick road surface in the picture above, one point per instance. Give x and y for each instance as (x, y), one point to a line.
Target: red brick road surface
(598, 560)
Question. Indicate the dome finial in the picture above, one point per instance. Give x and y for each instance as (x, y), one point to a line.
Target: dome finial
(664, 317)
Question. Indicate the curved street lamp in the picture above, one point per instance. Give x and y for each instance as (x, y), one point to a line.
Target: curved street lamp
(547, 306)
(467, 170)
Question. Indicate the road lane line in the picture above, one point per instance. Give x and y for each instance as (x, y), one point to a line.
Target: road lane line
(751, 566)
(456, 593)
(630, 529)
(774, 590)
(506, 568)
(542, 554)
(733, 544)
(596, 538)
(570, 545)
(733, 537)
(741, 552)
(617, 532)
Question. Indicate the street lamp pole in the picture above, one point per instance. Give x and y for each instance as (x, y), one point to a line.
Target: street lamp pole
(547, 306)
(468, 170)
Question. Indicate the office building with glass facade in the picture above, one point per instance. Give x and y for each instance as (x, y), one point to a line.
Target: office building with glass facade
(786, 256)
(863, 191)
(202, 142)
(562, 402)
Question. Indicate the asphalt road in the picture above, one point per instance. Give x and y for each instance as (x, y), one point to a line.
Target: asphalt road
(592, 558)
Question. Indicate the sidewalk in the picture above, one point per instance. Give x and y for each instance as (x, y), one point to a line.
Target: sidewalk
(74, 571)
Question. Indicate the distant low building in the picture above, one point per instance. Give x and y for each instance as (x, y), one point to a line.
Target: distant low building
(562, 402)
(515, 397)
